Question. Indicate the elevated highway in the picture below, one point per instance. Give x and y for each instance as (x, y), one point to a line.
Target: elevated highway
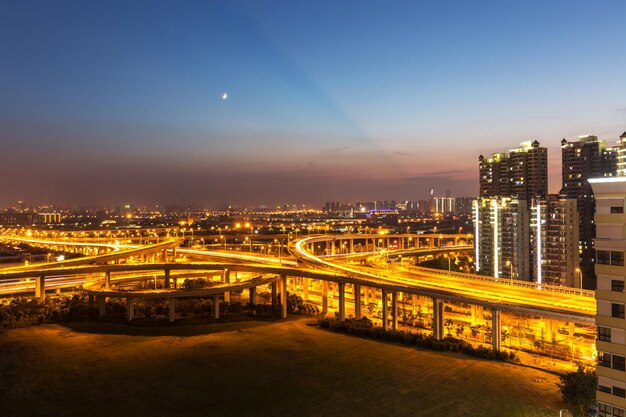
(320, 259)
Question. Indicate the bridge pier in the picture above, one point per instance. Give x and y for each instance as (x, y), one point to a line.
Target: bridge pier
(305, 289)
(172, 309)
(437, 318)
(384, 310)
(496, 342)
(252, 297)
(342, 301)
(130, 309)
(40, 288)
(357, 301)
(394, 310)
(226, 280)
(107, 280)
(324, 297)
(274, 293)
(216, 306)
(167, 278)
(102, 305)
(283, 296)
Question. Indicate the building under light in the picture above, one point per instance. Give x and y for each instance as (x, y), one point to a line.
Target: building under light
(554, 241)
(501, 237)
(610, 245)
(586, 158)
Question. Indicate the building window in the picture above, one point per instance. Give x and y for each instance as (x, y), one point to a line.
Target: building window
(604, 410)
(617, 285)
(620, 392)
(618, 412)
(603, 257)
(602, 388)
(617, 258)
(604, 359)
(617, 310)
(615, 210)
(604, 334)
(619, 363)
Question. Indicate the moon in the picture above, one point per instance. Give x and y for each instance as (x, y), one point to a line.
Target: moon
(225, 96)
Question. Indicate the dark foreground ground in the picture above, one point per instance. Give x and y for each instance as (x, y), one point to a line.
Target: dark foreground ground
(252, 369)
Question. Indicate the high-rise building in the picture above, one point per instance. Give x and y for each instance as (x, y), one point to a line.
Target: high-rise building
(583, 159)
(501, 237)
(554, 241)
(444, 205)
(610, 245)
(520, 172)
(621, 156)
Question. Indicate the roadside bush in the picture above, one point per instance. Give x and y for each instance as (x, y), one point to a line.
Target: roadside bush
(364, 328)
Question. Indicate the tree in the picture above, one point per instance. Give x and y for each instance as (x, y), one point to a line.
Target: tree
(448, 324)
(579, 388)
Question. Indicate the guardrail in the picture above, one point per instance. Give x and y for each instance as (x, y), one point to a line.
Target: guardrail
(500, 281)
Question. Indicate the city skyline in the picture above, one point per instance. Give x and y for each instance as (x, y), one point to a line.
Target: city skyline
(124, 103)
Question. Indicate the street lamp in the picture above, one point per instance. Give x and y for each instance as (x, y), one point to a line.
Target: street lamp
(509, 263)
(580, 278)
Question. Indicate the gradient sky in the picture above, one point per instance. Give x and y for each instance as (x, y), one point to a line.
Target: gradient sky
(113, 102)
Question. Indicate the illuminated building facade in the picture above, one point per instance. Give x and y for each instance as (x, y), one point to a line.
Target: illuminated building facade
(586, 158)
(610, 245)
(501, 237)
(554, 241)
(520, 172)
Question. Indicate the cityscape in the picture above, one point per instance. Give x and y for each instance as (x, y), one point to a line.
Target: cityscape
(347, 209)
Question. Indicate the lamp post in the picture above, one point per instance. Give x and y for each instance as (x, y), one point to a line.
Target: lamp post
(580, 278)
(509, 263)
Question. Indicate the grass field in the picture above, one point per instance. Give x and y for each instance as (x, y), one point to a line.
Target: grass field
(252, 368)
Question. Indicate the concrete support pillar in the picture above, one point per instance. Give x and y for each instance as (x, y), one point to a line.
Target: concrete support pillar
(351, 245)
(394, 310)
(227, 296)
(164, 254)
(324, 297)
(571, 328)
(107, 280)
(437, 318)
(366, 291)
(357, 301)
(130, 309)
(384, 310)
(173, 254)
(495, 330)
(102, 305)
(226, 276)
(167, 278)
(283, 296)
(172, 309)
(305, 289)
(274, 293)
(474, 315)
(414, 302)
(40, 288)
(342, 301)
(252, 297)
(216, 306)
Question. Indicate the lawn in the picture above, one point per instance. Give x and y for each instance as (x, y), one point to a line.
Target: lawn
(252, 368)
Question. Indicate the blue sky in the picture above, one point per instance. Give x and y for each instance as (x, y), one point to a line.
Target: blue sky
(115, 102)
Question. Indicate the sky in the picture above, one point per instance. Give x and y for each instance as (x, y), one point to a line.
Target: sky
(120, 102)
